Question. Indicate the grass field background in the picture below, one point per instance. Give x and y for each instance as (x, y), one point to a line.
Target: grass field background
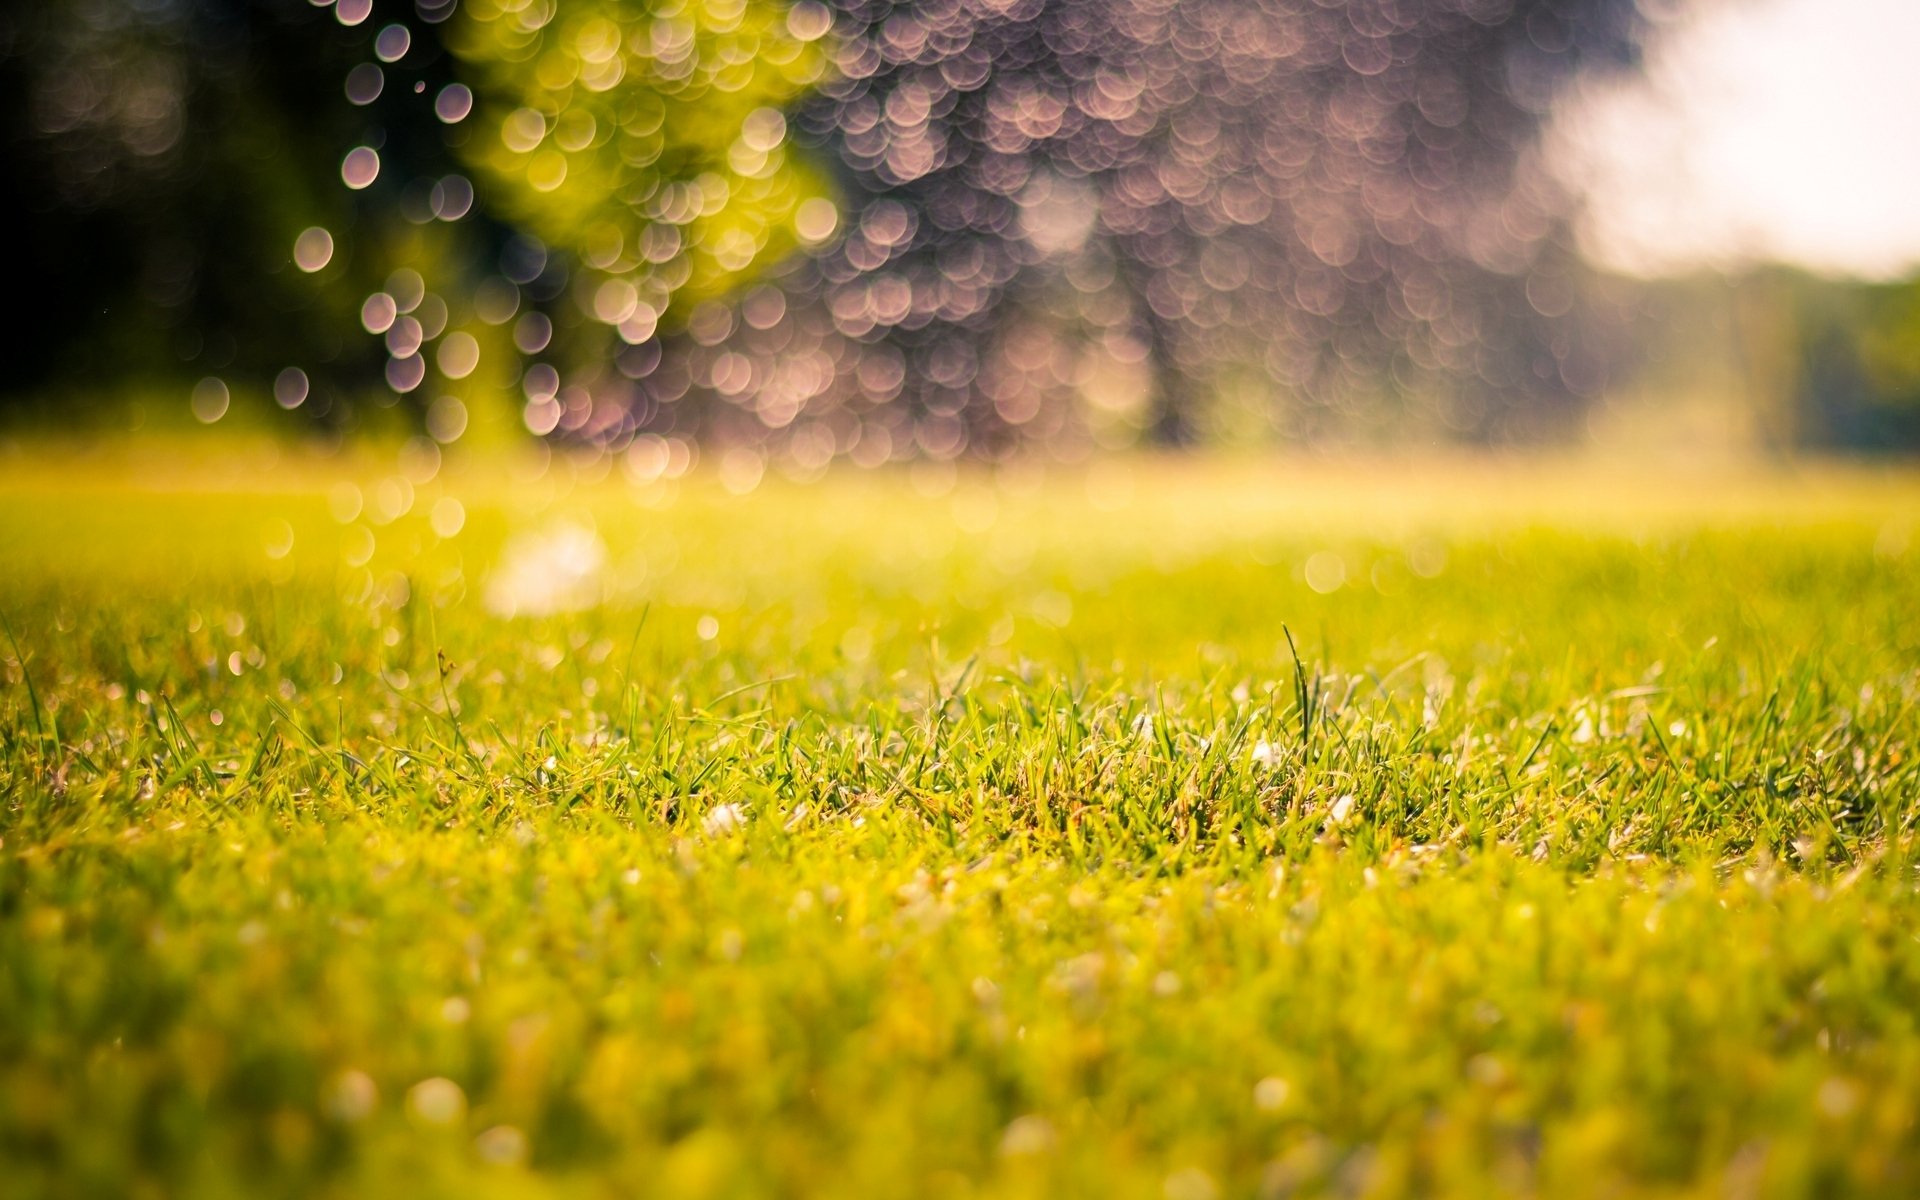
(1185, 828)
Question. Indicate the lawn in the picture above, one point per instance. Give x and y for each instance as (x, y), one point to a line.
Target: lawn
(374, 825)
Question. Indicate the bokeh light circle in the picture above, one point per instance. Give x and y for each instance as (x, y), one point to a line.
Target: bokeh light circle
(406, 374)
(360, 167)
(447, 419)
(365, 83)
(816, 219)
(210, 400)
(378, 312)
(453, 103)
(392, 43)
(313, 249)
(290, 388)
(458, 355)
(809, 21)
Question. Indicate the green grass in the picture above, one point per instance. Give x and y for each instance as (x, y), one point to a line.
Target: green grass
(1160, 829)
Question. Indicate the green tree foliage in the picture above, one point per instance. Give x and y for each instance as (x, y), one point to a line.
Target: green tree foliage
(165, 159)
(646, 141)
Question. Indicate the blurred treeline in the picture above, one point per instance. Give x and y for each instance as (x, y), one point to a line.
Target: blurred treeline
(1784, 358)
(865, 230)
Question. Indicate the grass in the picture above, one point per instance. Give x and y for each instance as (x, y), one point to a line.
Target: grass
(1157, 829)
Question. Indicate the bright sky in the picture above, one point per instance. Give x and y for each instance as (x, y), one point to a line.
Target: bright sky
(1763, 130)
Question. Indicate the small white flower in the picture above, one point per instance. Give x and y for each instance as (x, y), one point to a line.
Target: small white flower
(724, 819)
(1270, 1093)
(1341, 810)
(1026, 1135)
(437, 1101)
(1190, 1183)
(1264, 753)
(351, 1096)
(503, 1145)
(1582, 728)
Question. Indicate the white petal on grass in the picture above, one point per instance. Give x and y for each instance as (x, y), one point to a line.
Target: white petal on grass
(558, 569)
(1190, 1183)
(1025, 1136)
(350, 1096)
(502, 1145)
(724, 819)
(436, 1101)
(1270, 1093)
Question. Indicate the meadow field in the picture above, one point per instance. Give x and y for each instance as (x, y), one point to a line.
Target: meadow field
(530, 826)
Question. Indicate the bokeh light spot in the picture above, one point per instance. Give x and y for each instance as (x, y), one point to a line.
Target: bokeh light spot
(378, 313)
(453, 103)
(451, 198)
(448, 517)
(391, 44)
(210, 400)
(809, 21)
(313, 249)
(406, 373)
(360, 167)
(447, 419)
(816, 219)
(290, 388)
(364, 84)
(458, 355)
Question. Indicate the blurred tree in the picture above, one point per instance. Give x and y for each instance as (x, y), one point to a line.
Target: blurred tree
(1336, 205)
(1855, 355)
(260, 190)
(159, 159)
(647, 143)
